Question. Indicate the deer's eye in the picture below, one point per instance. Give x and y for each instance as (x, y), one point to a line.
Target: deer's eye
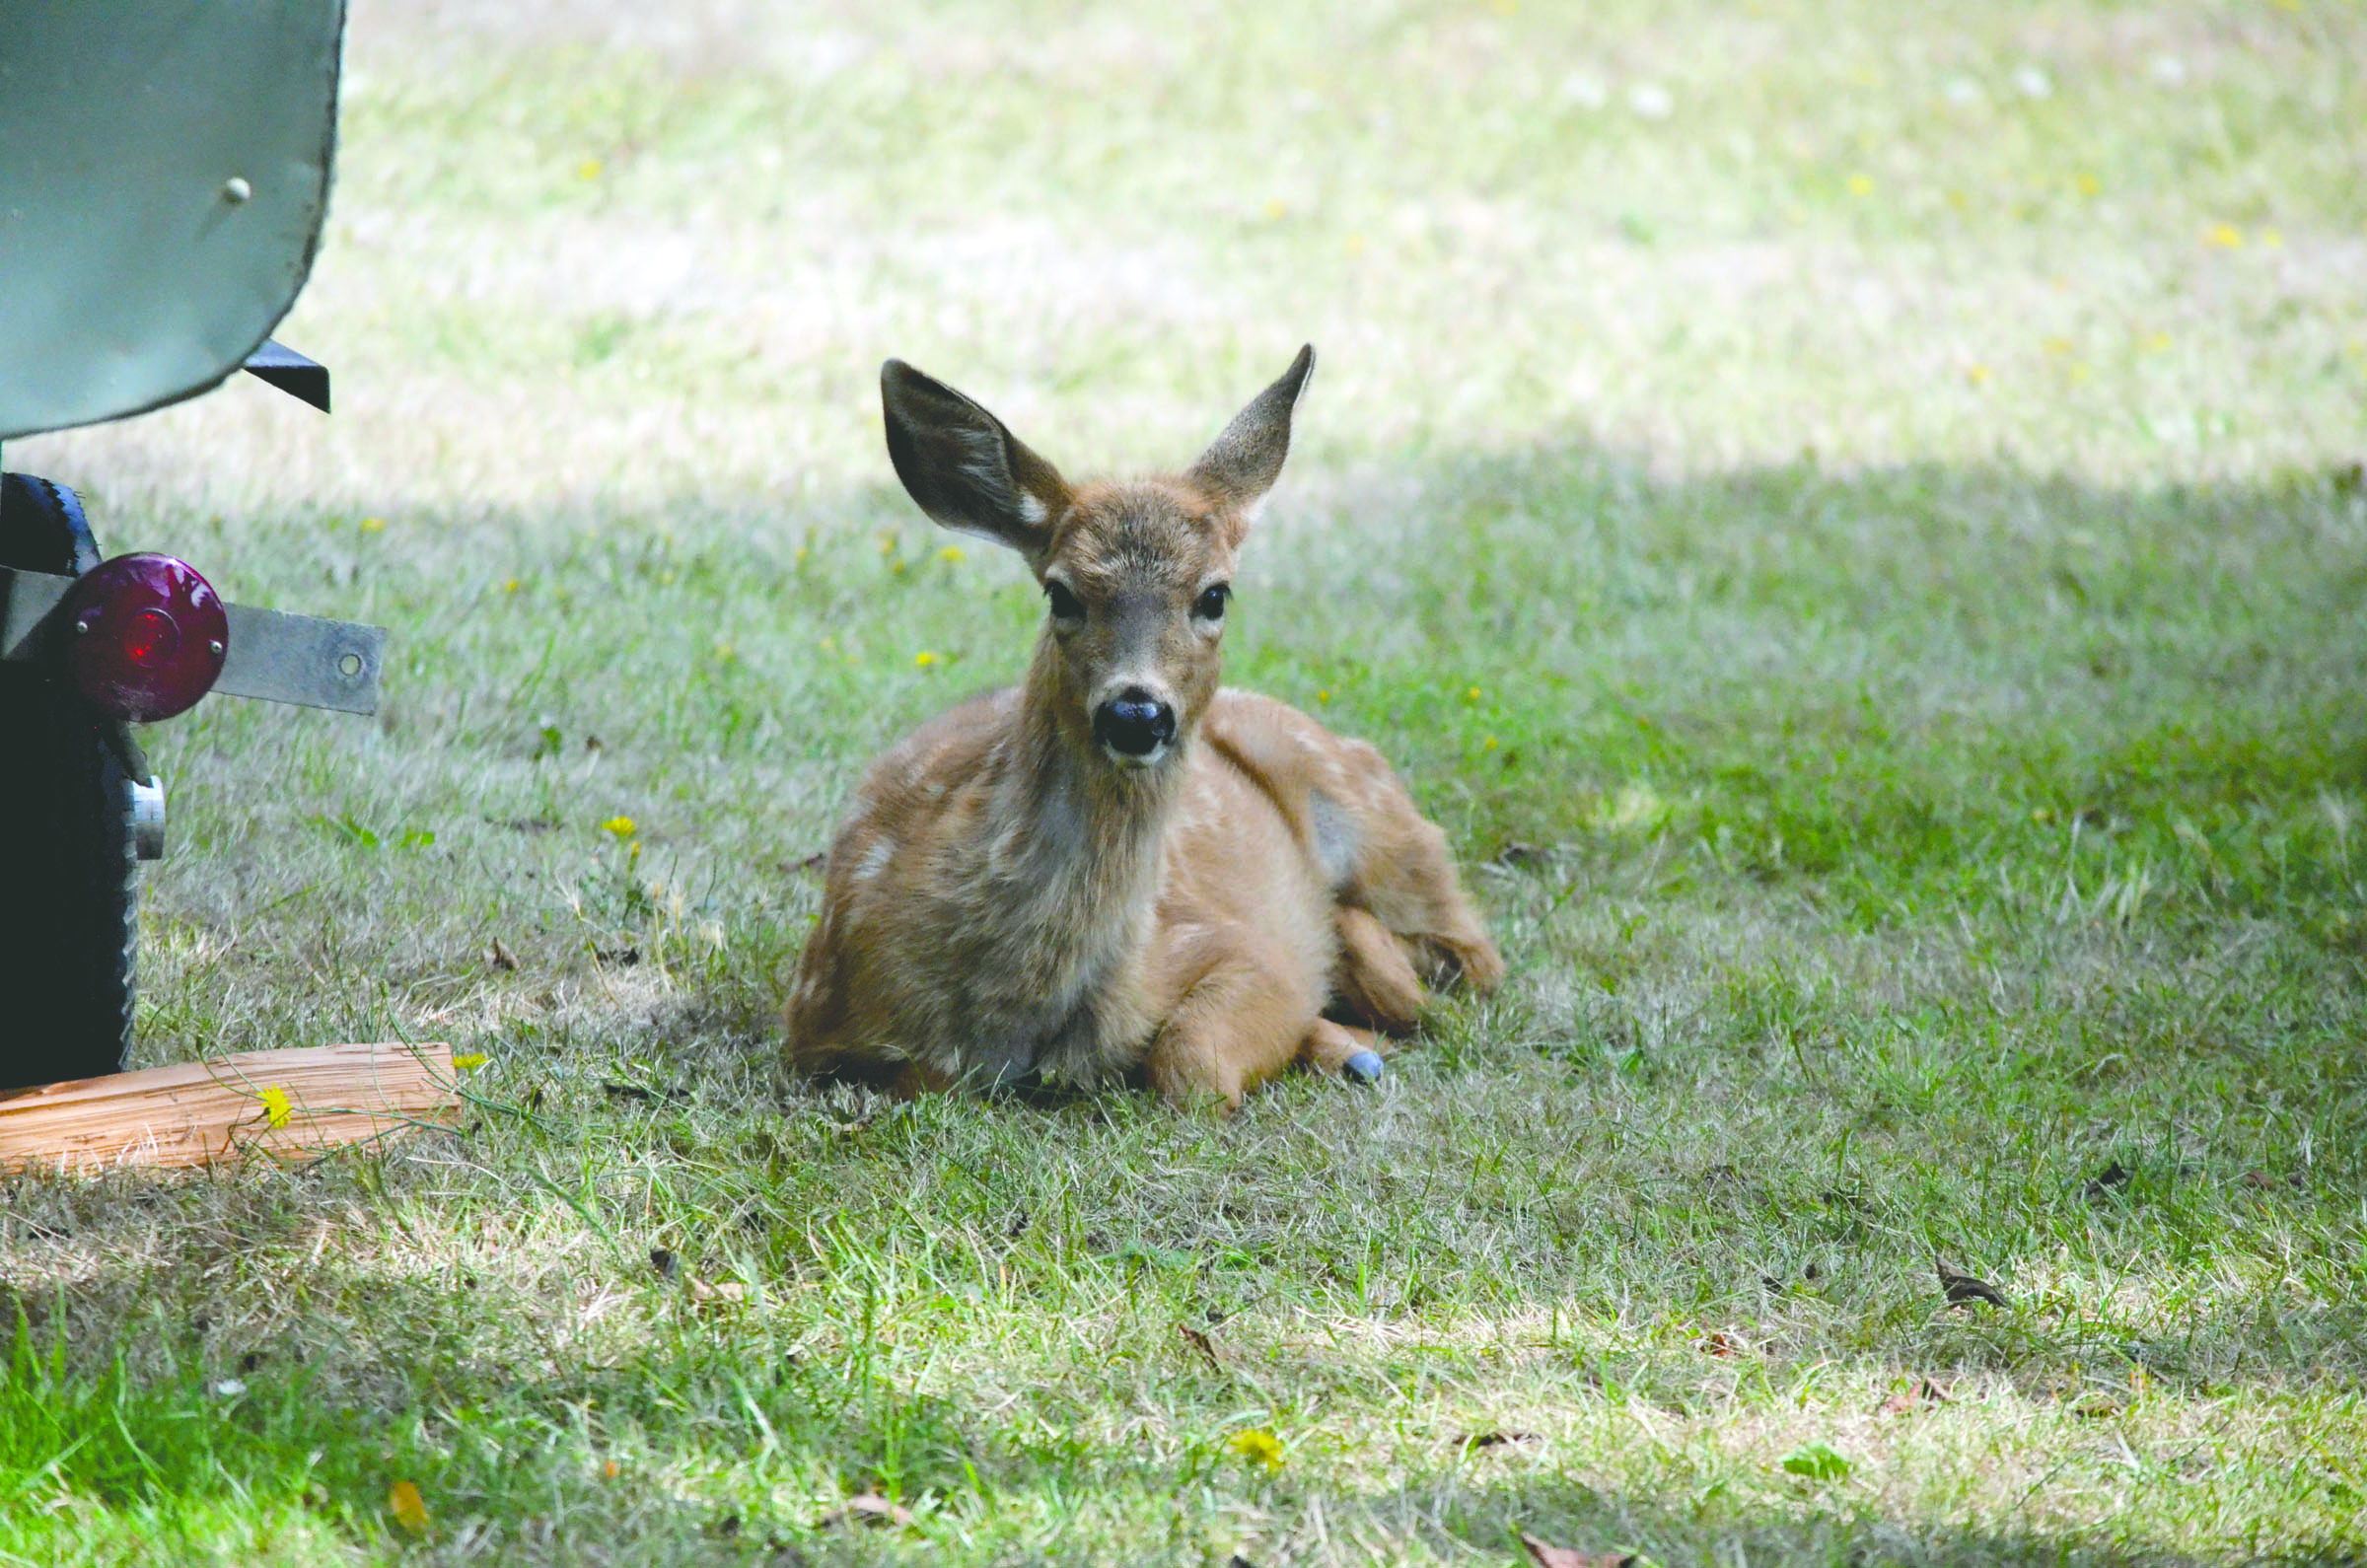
(1066, 604)
(1211, 604)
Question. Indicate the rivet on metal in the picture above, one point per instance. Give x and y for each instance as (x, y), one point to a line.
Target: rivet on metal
(237, 191)
(215, 648)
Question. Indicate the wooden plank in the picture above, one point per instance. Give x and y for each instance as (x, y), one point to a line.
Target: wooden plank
(198, 1112)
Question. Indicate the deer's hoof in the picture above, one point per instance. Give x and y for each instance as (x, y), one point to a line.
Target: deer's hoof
(1363, 1068)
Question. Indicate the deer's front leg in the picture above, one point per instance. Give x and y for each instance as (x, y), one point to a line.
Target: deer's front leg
(1240, 1023)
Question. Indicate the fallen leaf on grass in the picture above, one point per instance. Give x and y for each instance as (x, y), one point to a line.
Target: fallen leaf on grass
(503, 958)
(2262, 1180)
(2105, 1180)
(730, 1293)
(1548, 1555)
(2097, 1407)
(1817, 1461)
(1922, 1392)
(869, 1509)
(1201, 1343)
(409, 1508)
(1495, 1440)
(1717, 1344)
(1964, 1288)
(668, 1266)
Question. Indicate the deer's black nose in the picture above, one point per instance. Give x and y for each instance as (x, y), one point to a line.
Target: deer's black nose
(1134, 723)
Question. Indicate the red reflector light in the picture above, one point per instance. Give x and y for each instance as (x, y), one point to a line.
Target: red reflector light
(151, 639)
(144, 636)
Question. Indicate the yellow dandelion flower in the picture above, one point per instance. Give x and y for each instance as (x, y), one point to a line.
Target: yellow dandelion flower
(276, 1108)
(1277, 207)
(1959, 200)
(2087, 184)
(2226, 236)
(1488, 745)
(1977, 375)
(621, 826)
(951, 554)
(1861, 184)
(1323, 696)
(589, 169)
(924, 659)
(510, 587)
(374, 525)
(469, 1061)
(1258, 1448)
(1472, 695)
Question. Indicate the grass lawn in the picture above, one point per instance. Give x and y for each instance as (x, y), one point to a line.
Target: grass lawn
(1852, 517)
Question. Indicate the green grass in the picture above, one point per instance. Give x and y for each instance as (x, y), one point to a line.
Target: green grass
(1867, 564)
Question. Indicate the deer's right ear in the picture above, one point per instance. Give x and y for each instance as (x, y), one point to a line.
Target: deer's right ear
(963, 467)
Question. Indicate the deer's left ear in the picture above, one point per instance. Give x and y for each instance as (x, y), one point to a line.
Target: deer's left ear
(1244, 462)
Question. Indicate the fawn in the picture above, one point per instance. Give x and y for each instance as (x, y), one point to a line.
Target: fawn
(1119, 868)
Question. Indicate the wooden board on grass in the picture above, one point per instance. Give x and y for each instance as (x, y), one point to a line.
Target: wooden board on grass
(292, 1104)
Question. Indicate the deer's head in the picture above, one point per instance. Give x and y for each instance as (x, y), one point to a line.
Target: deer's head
(1135, 576)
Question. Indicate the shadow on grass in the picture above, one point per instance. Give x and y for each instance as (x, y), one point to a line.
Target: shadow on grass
(700, 1449)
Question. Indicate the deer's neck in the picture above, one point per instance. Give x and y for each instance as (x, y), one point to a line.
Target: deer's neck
(1084, 832)
(1057, 908)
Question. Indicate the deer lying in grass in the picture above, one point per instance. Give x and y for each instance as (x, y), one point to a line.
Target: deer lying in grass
(1118, 867)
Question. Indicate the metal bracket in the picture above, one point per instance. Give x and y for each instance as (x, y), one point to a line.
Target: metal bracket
(25, 602)
(290, 372)
(272, 656)
(302, 659)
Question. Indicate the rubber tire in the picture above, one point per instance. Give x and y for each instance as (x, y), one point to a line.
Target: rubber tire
(69, 883)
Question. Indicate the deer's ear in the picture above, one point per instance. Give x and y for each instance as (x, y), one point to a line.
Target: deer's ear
(1244, 462)
(963, 467)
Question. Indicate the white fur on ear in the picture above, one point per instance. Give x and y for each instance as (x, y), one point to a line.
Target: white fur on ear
(963, 466)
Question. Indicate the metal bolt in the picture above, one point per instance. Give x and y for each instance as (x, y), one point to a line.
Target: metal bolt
(82, 628)
(237, 191)
(214, 647)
